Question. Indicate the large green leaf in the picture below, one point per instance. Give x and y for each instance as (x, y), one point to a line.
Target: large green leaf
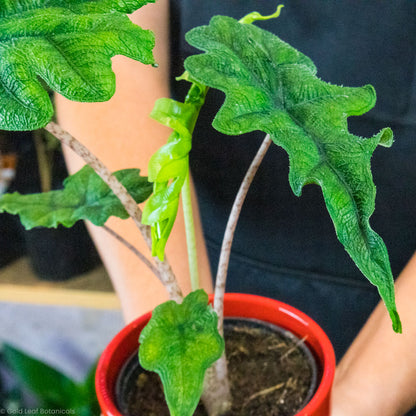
(272, 87)
(180, 343)
(85, 197)
(68, 45)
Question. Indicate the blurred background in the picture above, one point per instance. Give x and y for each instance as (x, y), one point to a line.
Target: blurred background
(57, 305)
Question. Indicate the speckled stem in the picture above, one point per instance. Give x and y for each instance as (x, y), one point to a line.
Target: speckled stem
(165, 274)
(217, 393)
(229, 232)
(125, 243)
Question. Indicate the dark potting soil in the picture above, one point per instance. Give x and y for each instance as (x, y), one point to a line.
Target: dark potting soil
(270, 375)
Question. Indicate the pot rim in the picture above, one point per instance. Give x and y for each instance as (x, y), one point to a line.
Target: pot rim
(235, 305)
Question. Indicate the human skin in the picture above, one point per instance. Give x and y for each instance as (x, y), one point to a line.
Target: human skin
(121, 133)
(377, 375)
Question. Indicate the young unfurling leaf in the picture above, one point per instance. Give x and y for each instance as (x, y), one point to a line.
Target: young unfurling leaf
(85, 197)
(180, 343)
(272, 87)
(169, 166)
(67, 44)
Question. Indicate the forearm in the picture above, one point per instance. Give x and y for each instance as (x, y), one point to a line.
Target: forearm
(377, 375)
(121, 133)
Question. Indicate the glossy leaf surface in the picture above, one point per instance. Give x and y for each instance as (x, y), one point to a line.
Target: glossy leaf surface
(66, 44)
(169, 166)
(85, 197)
(180, 343)
(272, 87)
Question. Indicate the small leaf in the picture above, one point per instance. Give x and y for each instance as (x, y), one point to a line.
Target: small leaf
(180, 343)
(68, 45)
(272, 87)
(169, 166)
(85, 197)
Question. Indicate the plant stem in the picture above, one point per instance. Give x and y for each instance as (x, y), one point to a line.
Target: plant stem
(217, 393)
(165, 274)
(190, 233)
(229, 232)
(196, 97)
(133, 249)
(44, 163)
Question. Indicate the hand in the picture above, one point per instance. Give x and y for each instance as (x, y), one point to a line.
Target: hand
(377, 375)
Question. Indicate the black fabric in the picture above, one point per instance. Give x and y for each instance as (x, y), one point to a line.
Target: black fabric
(285, 247)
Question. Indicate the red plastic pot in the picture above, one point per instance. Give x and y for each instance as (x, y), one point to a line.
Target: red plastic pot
(125, 344)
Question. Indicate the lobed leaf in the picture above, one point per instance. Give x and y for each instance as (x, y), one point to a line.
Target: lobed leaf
(180, 343)
(85, 197)
(69, 46)
(272, 87)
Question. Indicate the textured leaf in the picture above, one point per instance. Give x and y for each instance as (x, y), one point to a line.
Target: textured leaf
(272, 87)
(85, 197)
(68, 45)
(180, 343)
(169, 166)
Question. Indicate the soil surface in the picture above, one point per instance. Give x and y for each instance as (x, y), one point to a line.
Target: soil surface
(269, 374)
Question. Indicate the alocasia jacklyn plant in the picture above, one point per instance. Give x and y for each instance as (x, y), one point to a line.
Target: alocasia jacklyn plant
(268, 85)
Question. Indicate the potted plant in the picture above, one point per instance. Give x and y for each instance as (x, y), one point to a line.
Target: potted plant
(118, 368)
(269, 86)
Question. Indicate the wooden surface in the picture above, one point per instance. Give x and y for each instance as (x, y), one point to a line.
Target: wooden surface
(18, 283)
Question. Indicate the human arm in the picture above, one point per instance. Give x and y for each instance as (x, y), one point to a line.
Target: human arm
(377, 375)
(122, 135)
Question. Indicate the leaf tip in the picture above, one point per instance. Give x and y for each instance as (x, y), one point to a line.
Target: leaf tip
(254, 16)
(396, 322)
(386, 137)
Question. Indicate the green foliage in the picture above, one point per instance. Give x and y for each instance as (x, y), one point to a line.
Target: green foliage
(53, 389)
(87, 402)
(85, 197)
(255, 16)
(67, 45)
(169, 166)
(180, 343)
(272, 87)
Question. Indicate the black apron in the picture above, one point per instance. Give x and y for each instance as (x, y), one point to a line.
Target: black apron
(285, 247)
